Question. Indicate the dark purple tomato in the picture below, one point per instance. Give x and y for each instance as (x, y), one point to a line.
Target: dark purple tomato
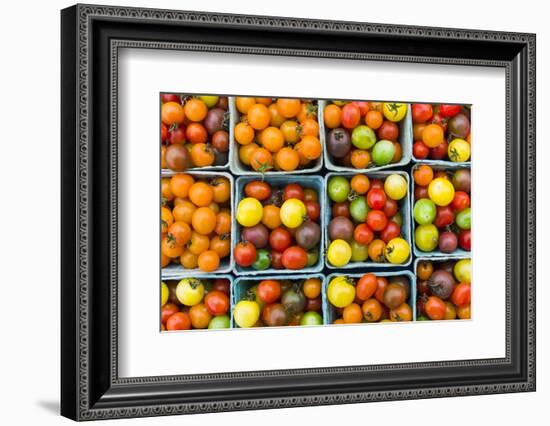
(214, 120)
(462, 180)
(441, 284)
(308, 235)
(459, 126)
(339, 142)
(257, 235)
(341, 228)
(274, 315)
(448, 242)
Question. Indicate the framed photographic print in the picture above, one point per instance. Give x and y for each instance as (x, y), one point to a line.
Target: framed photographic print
(263, 212)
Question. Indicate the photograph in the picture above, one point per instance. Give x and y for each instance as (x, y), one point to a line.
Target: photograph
(247, 200)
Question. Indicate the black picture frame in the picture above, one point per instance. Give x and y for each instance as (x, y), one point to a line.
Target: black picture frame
(90, 386)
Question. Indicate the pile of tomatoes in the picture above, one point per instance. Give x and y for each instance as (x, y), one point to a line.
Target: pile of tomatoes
(443, 289)
(362, 133)
(441, 132)
(277, 134)
(369, 298)
(195, 221)
(193, 303)
(366, 220)
(279, 303)
(280, 226)
(442, 209)
(193, 131)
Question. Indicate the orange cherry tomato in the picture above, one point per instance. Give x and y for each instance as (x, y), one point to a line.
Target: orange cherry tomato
(276, 119)
(204, 220)
(202, 155)
(288, 107)
(180, 184)
(271, 217)
(423, 175)
(172, 113)
(201, 194)
(374, 119)
(376, 250)
(244, 133)
(180, 231)
(352, 314)
(258, 116)
(287, 159)
(332, 116)
(309, 127)
(166, 219)
(360, 158)
(221, 189)
(261, 160)
(223, 223)
(310, 147)
(184, 211)
(360, 184)
(165, 190)
(199, 315)
(208, 261)
(188, 260)
(243, 104)
(312, 288)
(433, 135)
(221, 245)
(291, 131)
(272, 139)
(245, 153)
(170, 247)
(198, 243)
(195, 109)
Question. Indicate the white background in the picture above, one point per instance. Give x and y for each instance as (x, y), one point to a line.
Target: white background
(29, 225)
(140, 341)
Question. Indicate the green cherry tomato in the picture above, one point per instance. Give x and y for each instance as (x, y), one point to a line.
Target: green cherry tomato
(338, 189)
(358, 209)
(312, 257)
(221, 321)
(263, 260)
(424, 211)
(463, 218)
(422, 318)
(363, 137)
(311, 318)
(359, 252)
(383, 152)
(426, 237)
(463, 270)
(210, 101)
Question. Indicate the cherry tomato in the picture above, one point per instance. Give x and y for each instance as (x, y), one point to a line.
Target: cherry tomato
(217, 302)
(366, 286)
(293, 190)
(448, 111)
(420, 150)
(363, 107)
(245, 253)
(460, 201)
(376, 220)
(221, 284)
(465, 239)
(196, 133)
(258, 189)
(391, 231)
(435, 308)
(440, 151)
(294, 257)
(168, 310)
(444, 216)
(280, 239)
(178, 321)
(351, 116)
(312, 288)
(341, 209)
(376, 198)
(422, 112)
(391, 207)
(313, 210)
(376, 184)
(269, 291)
(388, 131)
(381, 286)
(277, 259)
(363, 234)
(461, 295)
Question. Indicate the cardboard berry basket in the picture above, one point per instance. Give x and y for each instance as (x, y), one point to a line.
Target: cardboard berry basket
(238, 168)
(226, 264)
(330, 313)
(417, 260)
(405, 140)
(242, 284)
(279, 182)
(404, 206)
(219, 167)
(229, 277)
(436, 253)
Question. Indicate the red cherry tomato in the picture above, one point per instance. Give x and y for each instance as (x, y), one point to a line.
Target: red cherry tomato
(216, 302)
(363, 107)
(440, 151)
(341, 209)
(376, 184)
(422, 112)
(293, 190)
(294, 257)
(420, 192)
(421, 150)
(465, 239)
(313, 210)
(391, 207)
(461, 295)
(196, 133)
(366, 286)
(163, 132)
(391, 231)
(277, 259)
(460, 201)
(351, 116)
(448, 111)
(168, 310)
(280, 239)
(363, 234)
(258, 189)
(245, 253)
(376, 220)
(177, 135)
(444, 216)
(178, 321)
(381, 286)
(376, 198)
(388, 130)
(221, 284)
(439, 119)
(269, 291)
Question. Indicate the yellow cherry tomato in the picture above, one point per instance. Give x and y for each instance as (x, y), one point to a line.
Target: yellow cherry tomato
(463, 270)
(458, 150)
(341, 292)
(395, 187)
(246, 313)
(190, 291)
(249, 211)
(441, 191)
(339, 253)
(293, 212)
(394, 111)
(164, 293)
(397, 251)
